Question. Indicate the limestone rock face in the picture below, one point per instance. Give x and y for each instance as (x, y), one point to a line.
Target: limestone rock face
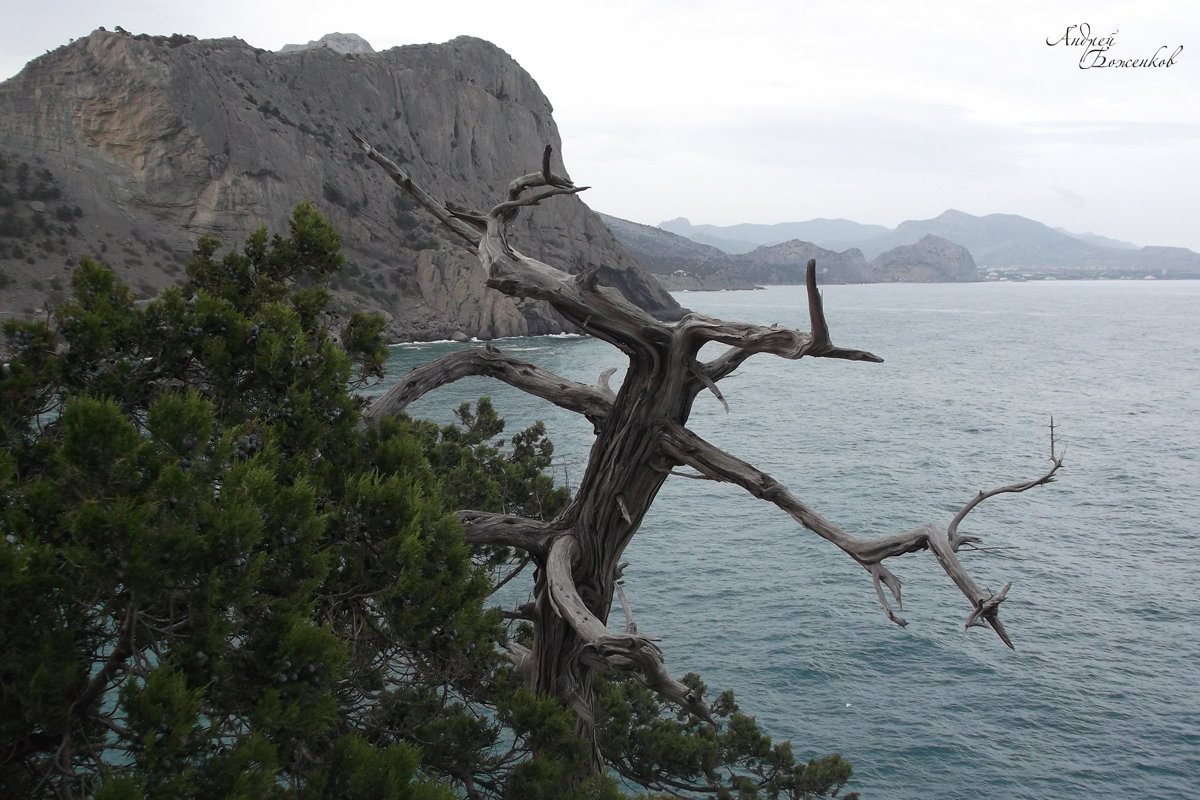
(338, 42)
(154, 141)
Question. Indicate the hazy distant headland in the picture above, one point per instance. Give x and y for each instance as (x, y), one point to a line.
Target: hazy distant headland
(954, 246)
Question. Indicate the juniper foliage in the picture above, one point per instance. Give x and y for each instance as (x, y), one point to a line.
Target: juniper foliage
(215, 582)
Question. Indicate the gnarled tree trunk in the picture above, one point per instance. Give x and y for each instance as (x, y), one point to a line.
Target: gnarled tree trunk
(641, 438)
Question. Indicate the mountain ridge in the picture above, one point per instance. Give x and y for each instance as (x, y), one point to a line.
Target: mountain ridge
(686, 265)
(995, 241)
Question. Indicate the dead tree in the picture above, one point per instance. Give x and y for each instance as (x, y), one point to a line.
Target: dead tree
(641, 439)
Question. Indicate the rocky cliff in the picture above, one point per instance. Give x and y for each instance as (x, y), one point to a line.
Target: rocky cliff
(338, 42)
(130, 147)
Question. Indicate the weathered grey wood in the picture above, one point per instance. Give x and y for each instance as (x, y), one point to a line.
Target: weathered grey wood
(593, 402)
(641, 437)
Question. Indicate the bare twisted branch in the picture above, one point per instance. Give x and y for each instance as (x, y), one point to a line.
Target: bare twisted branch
(506, 530)
(746, 340)
(593, 402)
(453, 220)
(688, 448)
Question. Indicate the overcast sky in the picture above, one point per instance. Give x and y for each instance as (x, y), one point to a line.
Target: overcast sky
(727, 112)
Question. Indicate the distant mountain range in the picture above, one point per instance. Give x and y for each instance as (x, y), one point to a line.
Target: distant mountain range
(736, 239)
(1000, 244)
(683, 264)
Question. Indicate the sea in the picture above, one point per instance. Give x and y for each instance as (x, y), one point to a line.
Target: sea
(1101, 696)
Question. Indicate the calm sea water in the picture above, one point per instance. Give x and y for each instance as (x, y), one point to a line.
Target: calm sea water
(1101, 698)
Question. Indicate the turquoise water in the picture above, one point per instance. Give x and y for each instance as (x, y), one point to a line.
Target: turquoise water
(1100, 699)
